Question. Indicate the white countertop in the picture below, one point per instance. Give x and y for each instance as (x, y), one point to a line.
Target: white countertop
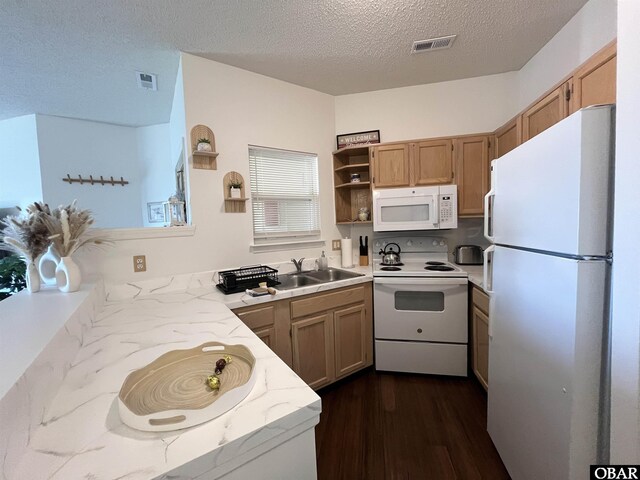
(80, 435)
(475, 273)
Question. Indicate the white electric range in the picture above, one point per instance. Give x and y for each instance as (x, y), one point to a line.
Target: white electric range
(420, 314)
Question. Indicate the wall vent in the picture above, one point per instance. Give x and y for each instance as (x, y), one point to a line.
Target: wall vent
(430, 44)
(147, 81)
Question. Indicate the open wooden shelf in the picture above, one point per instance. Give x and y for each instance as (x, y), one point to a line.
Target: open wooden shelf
(236, 199)
(349, 222)
(353, 151)
(355, 166)
(354, 185)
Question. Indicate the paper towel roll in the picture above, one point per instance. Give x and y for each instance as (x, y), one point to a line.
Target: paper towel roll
(347, 253)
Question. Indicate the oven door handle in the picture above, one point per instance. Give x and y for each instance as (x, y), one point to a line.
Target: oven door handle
(419, 281)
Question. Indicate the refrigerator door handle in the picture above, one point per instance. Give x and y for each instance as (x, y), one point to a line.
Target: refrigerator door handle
(487, 271)
(488, 217)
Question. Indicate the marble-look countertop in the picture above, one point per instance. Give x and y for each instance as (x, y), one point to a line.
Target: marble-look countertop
(475, 273)
(79, 434)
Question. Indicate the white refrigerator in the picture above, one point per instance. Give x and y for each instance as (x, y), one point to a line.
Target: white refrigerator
(549, 219)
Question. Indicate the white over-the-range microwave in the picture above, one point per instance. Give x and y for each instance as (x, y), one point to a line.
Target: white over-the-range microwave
(415, 208)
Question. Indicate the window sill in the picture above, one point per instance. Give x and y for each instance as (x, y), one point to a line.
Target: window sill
(117, 234)
(284, 245)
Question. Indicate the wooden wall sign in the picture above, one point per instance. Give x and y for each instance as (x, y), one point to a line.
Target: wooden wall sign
(358, 138)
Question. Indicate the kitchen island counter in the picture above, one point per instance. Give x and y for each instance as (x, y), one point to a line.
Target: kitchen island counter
(79, 433)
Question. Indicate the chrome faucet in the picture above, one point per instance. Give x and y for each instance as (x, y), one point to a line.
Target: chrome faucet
(298, 264)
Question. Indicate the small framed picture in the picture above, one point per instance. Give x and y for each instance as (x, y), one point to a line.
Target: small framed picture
(155, 211)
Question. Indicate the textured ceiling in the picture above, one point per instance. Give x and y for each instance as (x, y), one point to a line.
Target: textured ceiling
(78, 57)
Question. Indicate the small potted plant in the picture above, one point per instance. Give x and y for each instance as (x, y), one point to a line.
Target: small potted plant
(204, 145)
(235, 189)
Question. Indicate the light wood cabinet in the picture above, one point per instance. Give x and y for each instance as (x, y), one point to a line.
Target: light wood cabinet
(350, 197)
(323, 336)
(391, 165)
(480, 335)
(350, 334)
(472, 173)
(270, 322)
(432, 162)
(546, 112)
(508, 137)
(341, 325)
(595, 82)
(313, 354)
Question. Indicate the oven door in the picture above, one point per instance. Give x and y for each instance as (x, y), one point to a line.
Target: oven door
(420, 309)
(411, 212)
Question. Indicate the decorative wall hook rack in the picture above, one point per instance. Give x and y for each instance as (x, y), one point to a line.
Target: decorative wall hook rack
(94, 181)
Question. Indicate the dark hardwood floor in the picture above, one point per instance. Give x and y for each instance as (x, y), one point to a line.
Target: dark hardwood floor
(403, 426)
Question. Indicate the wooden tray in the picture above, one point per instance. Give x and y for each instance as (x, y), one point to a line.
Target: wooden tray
(172, 392)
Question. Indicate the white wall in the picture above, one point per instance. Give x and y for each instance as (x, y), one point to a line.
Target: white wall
(625, 388)
(156, 168)
(20, 181)
(241, 108)
(79, 147)
(587, 32)
(457, 107)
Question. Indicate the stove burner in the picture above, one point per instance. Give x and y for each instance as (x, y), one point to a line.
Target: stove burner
(435, 263)
(439, 268)
(390, 269)
(392, 265)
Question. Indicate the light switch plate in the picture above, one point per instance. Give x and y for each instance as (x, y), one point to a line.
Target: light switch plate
(139, 263)
(335, 244)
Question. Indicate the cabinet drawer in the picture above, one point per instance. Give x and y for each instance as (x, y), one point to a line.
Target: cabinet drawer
(257, 317)
(328, 301)
(480, 300)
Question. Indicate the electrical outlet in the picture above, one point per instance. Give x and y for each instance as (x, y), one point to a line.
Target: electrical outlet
(139, 263)
(335, 245)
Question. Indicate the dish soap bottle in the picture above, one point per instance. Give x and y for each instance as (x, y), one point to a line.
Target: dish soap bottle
(323, 263)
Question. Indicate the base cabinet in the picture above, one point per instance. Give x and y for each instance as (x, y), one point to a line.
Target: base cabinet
(480, 335)
(323, 337)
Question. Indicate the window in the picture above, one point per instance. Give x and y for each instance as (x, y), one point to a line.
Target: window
(284, 194)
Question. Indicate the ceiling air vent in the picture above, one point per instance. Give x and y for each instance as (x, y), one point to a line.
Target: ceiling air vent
(147, 81)
(433, 44)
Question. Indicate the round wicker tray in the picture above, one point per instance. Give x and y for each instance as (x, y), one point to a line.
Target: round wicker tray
(171, 392)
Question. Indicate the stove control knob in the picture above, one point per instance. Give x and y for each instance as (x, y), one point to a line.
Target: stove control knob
(377, 245)
(409, 243)
(442, 243)
(419, 330)
(435, 243)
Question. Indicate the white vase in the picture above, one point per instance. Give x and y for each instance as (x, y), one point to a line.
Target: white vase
(47, 265)
(235, 192)
(68, 276)
(204, 147)
(32, 277)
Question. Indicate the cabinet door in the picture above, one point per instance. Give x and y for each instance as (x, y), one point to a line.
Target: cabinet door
(349, 326)
(595, 82)
(432, 162)
(267, 335)
(508, 137)
(391, 165)
(313, 354)
(481, 346)
(547, 112)
(472, 177)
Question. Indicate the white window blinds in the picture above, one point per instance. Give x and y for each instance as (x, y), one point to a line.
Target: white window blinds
(284, 193)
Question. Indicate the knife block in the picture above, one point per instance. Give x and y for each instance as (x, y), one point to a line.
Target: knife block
(364, 260)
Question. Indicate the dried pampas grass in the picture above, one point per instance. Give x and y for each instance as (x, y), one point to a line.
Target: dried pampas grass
(68, 229)
(27, 234)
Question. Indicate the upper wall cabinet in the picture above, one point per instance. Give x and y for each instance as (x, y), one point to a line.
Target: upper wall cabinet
(546, 112)
(508, 137)
(472, 173)
(391, 167)
(595, 81)
(432, 162)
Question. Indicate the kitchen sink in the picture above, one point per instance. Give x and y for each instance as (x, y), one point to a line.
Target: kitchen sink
(295, 280)
(332, 275)
(311, 277)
